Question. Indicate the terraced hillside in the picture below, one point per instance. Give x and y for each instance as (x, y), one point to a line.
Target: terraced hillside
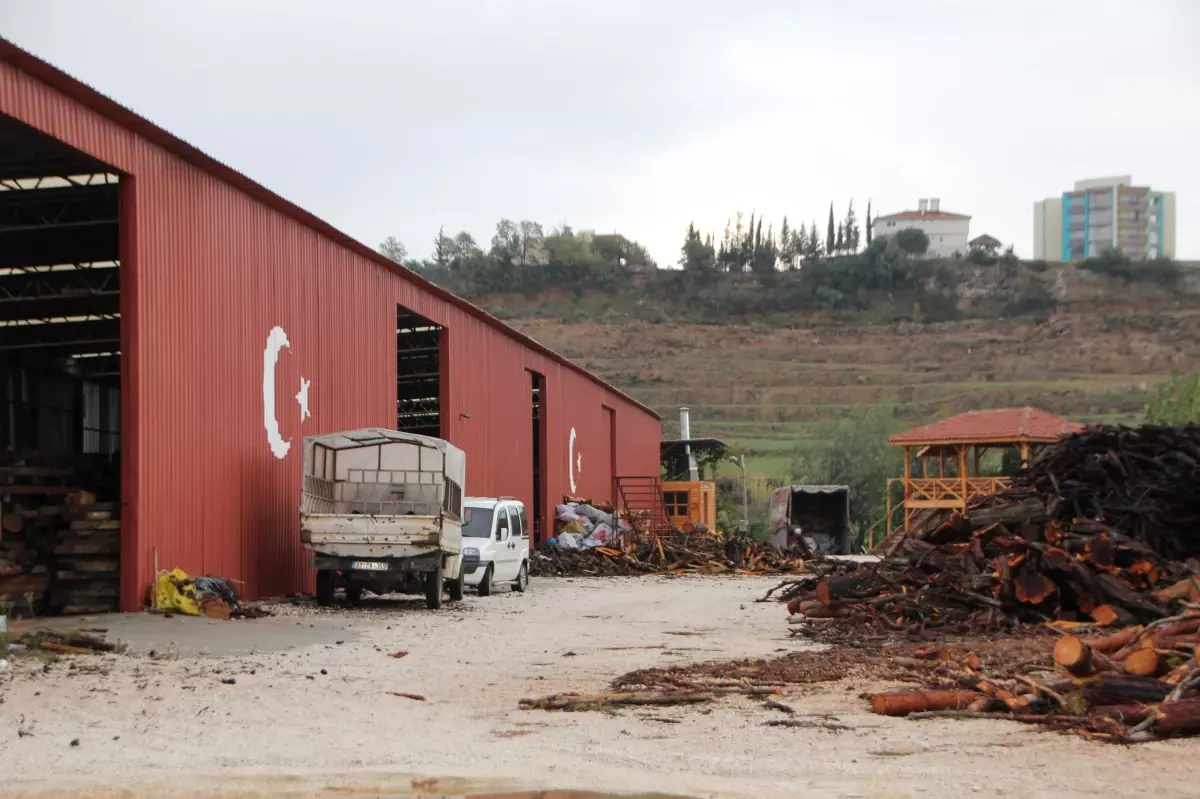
(771, 389)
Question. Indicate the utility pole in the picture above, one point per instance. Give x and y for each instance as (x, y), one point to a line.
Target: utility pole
(744, 524)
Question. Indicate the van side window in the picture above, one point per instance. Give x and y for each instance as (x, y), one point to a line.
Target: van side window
(524, 523)
(502, 527)
(518, 526)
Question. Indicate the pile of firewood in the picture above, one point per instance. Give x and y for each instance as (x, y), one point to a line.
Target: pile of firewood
(697, 553)
(1138, 684)
(1141, 481)
(1096, 530)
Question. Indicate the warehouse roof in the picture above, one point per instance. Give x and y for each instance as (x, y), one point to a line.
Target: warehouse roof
(999, 425)
(106, 106)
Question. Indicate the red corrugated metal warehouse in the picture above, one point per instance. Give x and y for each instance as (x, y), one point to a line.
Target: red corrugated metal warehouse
(167, 319)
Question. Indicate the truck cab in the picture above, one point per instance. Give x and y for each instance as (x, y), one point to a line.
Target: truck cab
(495, 538)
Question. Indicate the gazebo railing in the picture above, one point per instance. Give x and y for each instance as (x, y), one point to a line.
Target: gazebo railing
(954, 490)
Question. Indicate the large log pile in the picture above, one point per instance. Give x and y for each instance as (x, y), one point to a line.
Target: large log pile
(697, 553)
(1098, 540)
(1101, 528)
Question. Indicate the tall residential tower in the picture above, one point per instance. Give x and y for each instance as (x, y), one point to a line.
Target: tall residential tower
(1103, 214)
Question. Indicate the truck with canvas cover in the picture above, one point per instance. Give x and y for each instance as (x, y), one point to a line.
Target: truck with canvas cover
(382, 511)
(810, 519)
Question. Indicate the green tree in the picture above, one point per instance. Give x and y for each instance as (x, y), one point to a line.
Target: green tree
(697, 255)
(812, 247)
(913, 241)
(840, 242)
(831, 234)
(443, 248)
(1175, 401)
(393, 250)
(852, 231)
(506, 243)
(854, 452)
(529, 236)
(870, 223)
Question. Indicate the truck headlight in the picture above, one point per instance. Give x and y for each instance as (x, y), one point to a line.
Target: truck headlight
(470, 552)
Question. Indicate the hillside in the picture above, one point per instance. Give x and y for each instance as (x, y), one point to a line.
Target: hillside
(771, 384)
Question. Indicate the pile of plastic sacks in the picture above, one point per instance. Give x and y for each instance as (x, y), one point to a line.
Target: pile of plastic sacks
(581, 526)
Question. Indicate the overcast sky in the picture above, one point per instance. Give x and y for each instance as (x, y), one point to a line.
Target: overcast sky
(397, 117)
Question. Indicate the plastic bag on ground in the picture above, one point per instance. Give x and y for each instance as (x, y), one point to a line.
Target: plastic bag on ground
(588, 512)
(569, 541)
(176, 592)
(574, 528)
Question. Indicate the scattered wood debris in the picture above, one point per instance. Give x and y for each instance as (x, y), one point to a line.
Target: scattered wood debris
(696, 553)
(1102, 689)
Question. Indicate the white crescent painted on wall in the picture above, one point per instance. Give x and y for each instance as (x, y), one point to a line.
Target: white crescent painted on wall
(277, 340)
(572, 460)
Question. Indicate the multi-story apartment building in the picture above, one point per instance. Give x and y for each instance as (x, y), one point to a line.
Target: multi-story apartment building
(1104, 214)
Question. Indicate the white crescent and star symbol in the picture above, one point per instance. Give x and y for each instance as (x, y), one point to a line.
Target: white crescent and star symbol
(574, 460)
(277, 340)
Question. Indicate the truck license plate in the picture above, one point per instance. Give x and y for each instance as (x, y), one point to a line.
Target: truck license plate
(370, 565)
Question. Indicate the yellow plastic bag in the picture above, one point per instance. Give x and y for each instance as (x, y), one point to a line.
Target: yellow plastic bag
(176, 593)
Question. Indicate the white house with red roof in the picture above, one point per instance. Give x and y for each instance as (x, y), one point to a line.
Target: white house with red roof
(948, 232)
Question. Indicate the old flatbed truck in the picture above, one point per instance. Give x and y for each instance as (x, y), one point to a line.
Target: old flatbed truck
(382, 511)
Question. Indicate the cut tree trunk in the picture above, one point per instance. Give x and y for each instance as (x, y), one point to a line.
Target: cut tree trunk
(1123, 689)
(1111, 643)
(1144, 663)
(1075, 656)
(1175, 718)
(1112, 616)
(902, 703)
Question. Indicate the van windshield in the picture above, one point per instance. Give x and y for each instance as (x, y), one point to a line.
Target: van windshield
(477, 522)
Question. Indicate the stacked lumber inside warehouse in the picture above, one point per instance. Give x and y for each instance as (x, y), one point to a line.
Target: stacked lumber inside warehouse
(88, 558)
(24, 562)
(60, 556)
(1097, 542)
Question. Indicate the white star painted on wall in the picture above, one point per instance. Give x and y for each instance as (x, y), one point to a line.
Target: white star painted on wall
(302, 398)
(578, 462)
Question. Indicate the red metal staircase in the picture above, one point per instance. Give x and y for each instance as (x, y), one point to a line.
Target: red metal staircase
(645, 494)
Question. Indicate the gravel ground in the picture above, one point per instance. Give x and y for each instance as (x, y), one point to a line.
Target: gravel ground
(309, 713)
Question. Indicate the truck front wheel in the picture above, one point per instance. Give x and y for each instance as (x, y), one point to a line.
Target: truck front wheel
(434, 584)
(325, 587)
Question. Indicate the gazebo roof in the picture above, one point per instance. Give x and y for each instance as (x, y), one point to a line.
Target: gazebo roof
(995, 426)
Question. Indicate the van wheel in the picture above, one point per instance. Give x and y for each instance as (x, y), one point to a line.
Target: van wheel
(455, 588)
(434, 584)
(325, 587)
(522, 579)
(485, 585)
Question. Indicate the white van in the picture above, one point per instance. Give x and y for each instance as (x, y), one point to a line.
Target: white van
(495, 543)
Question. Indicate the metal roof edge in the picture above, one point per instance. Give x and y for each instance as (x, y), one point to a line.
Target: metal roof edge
(79, 91)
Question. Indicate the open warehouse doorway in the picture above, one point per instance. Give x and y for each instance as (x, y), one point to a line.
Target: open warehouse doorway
(420, 372)
(60, 377)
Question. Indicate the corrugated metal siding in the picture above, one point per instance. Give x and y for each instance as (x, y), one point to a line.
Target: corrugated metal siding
(209, 271)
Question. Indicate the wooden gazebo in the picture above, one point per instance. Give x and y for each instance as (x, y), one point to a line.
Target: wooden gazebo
(947, 455)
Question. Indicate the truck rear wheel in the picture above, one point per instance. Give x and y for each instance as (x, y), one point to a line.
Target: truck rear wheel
(434, 583)
(325, 587)
(354, 592)
(455, 589)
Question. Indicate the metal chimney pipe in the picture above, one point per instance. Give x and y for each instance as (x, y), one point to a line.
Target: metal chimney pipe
(685, 433)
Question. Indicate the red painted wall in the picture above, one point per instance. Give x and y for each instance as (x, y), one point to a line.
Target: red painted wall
(207, 271)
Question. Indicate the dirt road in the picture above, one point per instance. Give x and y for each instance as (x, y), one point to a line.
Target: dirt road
(308, 711)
